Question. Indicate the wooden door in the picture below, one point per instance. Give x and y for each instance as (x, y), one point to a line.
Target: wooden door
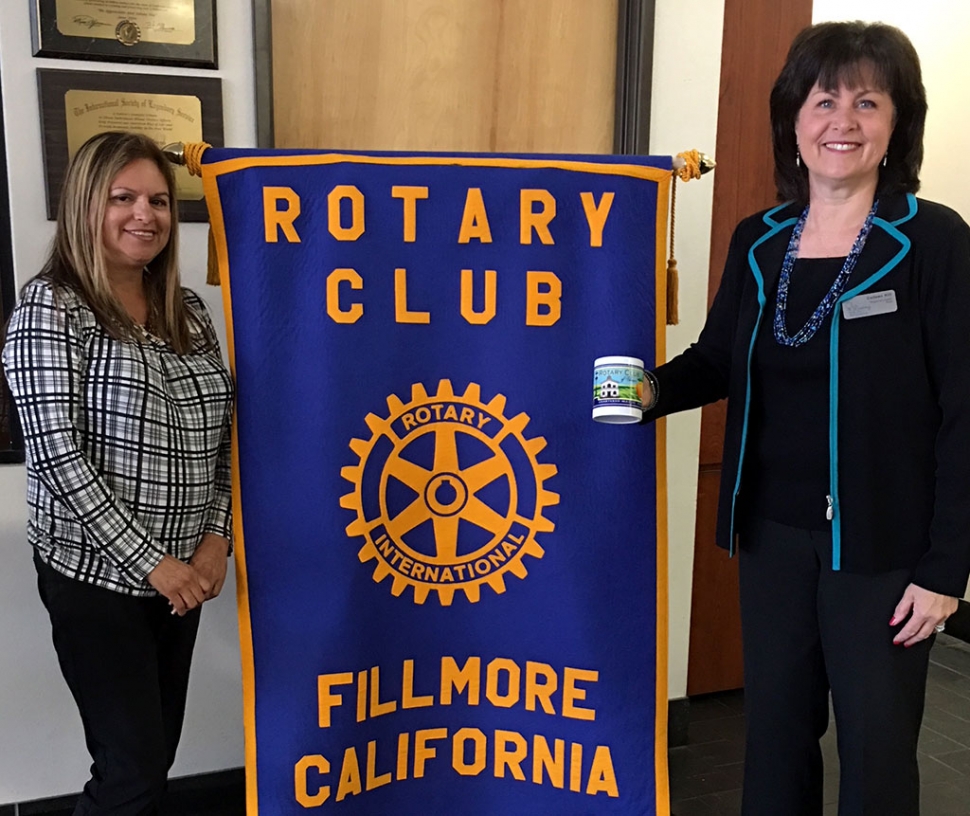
(757, 34)
(450, 75)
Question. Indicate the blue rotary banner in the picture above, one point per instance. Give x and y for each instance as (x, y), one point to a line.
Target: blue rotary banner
(452, 582)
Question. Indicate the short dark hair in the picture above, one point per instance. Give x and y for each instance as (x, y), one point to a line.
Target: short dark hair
(835, 54)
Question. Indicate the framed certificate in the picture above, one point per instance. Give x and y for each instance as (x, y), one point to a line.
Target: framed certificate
(163, 32)
(76, 105)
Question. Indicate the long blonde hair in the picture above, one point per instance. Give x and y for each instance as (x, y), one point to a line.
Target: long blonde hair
(77, 258)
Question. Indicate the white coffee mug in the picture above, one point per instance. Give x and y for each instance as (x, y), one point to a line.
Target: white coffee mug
(618, 385)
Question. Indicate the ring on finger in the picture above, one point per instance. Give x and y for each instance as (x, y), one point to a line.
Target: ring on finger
(940, 627)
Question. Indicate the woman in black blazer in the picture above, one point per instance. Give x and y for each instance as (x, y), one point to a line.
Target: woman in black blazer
(839, 335)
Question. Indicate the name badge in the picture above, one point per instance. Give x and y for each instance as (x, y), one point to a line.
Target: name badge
(869, 304)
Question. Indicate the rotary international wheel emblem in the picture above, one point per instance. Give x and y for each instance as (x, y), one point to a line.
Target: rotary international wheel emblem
(448, 493)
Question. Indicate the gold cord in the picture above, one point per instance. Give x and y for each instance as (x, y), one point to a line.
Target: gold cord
(193, 156)
(692, 165)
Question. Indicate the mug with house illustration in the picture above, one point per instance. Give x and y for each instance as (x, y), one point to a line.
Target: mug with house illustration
(618, 389)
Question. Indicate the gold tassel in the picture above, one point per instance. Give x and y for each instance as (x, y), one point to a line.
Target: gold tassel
(673, 284)
(212, 262)
(695, 164)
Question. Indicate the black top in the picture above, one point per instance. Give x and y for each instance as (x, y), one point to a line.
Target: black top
(786, 471)
(129, 444)
(899, 399)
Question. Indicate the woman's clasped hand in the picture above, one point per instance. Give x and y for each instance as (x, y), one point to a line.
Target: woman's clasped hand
(186, 586)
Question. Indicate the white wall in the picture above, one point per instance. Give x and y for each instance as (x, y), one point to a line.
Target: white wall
(42, 751)
(686, 77)
(938, 30)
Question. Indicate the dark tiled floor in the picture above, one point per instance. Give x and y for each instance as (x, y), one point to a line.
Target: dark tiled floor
(705, 775)
(219, 794)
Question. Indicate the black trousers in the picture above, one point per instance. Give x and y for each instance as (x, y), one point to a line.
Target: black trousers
(126, 661)
(808, 630)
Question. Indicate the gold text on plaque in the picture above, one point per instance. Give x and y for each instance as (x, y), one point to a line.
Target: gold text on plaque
(165, 118)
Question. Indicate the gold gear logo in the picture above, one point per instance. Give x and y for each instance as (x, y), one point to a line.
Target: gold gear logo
(449, 493)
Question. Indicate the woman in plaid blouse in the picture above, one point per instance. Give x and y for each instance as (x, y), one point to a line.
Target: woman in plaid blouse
(126, 406)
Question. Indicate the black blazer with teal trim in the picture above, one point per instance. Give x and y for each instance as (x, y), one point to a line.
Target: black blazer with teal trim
(899, 393)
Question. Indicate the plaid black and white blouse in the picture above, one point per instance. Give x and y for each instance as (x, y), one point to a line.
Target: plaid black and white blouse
(128, 443)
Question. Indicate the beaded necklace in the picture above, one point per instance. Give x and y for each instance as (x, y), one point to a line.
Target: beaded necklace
(806, 332)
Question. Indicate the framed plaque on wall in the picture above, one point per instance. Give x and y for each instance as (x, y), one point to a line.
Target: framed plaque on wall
(76, 105)
(162, 32)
